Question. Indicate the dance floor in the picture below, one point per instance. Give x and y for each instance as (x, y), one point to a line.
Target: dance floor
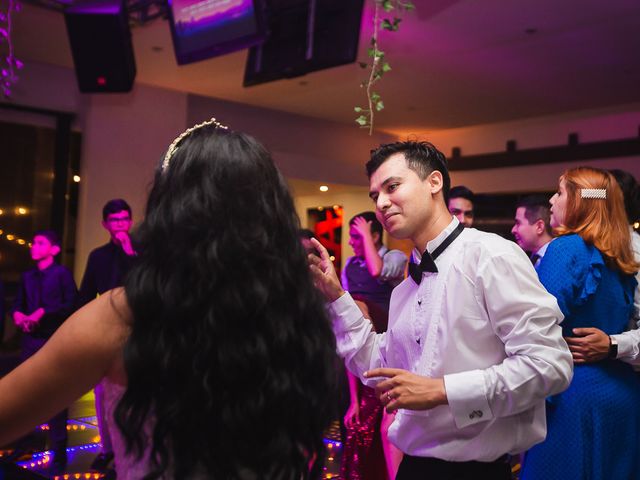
(84, 445)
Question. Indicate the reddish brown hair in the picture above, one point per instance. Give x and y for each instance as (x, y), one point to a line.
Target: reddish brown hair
(600, 222)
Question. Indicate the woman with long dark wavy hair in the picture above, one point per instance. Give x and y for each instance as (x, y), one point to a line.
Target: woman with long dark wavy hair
(218, 355)
(593, 427)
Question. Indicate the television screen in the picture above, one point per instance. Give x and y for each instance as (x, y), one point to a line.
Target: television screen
(208, 28)
(305, 36)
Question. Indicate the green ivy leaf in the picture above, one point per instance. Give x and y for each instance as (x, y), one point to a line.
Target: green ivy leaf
(387, 5)
(361, 120)
(375, 97)
(379, 105)
(386, 25)
(386, 67)
(357, 109)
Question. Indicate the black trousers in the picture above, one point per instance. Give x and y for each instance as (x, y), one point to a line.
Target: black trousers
(423, 468)
(58, 423)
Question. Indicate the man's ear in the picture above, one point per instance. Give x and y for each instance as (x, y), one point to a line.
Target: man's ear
(55, 250)
(436, 182)
(540, 226)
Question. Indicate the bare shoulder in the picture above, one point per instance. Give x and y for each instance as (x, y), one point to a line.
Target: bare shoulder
(102, 326)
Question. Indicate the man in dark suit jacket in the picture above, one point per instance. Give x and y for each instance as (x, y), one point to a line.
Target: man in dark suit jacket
(106, 269)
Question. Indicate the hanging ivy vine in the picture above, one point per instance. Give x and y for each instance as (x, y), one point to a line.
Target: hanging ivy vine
(9, 64)
(378, 64)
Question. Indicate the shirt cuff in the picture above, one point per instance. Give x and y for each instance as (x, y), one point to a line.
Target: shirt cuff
(467, 398)
(627, 345)
(344, 312)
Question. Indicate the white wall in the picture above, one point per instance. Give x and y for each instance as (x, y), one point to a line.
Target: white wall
(591, 126)
(124, 137)
(302, 147)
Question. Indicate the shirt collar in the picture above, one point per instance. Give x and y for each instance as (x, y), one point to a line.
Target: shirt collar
(543, 249)
(435, 243)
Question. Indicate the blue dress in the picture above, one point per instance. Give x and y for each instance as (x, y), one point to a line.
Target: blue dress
(593, 428)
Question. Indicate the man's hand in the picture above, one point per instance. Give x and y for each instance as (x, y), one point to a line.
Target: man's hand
(24, 322)
(403, 389)
(589, 345)
(352, 417)
(36, 315)
(20, 319)
(362, 227)
(323, 273)
(125, 242)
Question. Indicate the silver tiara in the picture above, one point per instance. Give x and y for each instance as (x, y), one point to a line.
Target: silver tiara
(593, 193)
(174, 145)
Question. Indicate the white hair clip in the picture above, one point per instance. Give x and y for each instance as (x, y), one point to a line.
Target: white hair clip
(593, 193)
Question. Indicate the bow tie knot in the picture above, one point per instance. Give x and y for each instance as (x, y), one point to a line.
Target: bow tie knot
(427, 263)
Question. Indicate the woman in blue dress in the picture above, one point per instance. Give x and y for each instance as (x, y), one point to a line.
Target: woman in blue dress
(593, 428)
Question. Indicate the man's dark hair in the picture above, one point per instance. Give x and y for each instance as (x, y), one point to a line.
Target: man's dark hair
(50, 235)
(305, 233)
(460, 191)
(114, 206)
(631, 193)
(536, 207)
(422, 157)
(376, 226)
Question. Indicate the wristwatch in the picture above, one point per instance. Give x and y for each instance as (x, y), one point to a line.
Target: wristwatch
(613, 348)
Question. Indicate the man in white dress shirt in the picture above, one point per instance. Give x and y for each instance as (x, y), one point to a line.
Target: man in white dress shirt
(473, 345)
(532, 226)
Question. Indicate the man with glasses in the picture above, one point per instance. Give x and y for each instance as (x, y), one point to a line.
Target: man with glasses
(106, 268)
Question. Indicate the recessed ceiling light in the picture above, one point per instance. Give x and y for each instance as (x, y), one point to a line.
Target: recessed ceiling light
(324, 188)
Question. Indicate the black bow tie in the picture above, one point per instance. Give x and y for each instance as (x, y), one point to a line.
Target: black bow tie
(427, 263)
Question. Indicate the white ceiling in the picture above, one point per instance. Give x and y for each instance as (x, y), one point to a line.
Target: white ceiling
(455, 63)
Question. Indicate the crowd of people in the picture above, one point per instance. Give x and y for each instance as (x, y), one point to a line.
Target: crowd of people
(212, 337)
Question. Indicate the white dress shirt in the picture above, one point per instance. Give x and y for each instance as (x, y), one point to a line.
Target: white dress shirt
(629, 342)
(487, 325)
(540, 253)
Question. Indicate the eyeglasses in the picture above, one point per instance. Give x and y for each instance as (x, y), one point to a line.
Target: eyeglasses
(116, 220)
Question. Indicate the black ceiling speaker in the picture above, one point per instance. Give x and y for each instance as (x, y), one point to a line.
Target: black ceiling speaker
(101, 46)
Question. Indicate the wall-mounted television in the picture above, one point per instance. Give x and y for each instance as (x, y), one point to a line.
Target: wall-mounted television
(207, 28)
(305, 36)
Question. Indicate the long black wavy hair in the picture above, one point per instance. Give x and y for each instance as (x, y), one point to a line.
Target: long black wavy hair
(231, 358)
